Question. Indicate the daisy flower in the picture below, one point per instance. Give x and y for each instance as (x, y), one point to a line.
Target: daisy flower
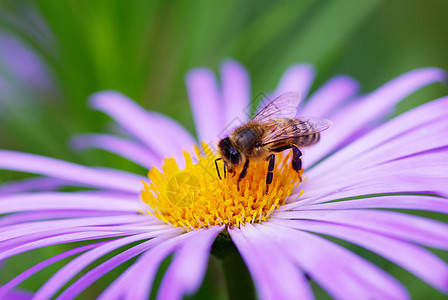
(289, 238)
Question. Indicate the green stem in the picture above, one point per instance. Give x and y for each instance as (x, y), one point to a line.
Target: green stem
(238, 280)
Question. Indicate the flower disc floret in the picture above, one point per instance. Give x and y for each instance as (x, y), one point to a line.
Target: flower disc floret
(195, 197)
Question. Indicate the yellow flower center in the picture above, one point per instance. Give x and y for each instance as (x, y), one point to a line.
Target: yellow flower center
(195, 197)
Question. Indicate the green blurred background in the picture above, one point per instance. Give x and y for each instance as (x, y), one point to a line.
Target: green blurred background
(144, 49)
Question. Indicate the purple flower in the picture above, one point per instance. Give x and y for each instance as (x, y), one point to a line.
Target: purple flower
(22, 66)
(362, 166)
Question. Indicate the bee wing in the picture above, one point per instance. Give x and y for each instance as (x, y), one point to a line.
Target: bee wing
(302, 126)
(284, 106)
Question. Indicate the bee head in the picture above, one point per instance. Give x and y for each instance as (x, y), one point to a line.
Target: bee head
(229, 154)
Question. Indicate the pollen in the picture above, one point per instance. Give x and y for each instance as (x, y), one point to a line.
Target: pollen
(195, 197)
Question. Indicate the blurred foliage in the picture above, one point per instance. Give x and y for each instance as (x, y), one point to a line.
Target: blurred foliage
(144, 49)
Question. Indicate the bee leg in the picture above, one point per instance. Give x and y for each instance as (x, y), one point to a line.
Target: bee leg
(282, 148)
(296, 160)
(225, 170)
(217, 169)
(270, 174)
(242, 174)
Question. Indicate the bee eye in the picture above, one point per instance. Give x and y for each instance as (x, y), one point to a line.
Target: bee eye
(235, 157)
(229, 152)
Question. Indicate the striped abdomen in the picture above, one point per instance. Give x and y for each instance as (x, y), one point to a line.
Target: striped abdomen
(303, 127)
(284, 131)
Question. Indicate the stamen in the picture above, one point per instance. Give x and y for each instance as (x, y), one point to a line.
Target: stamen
(195, 197)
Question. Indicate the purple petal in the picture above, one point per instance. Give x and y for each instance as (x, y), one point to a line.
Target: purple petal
(14, 246)
(120, 146)
(24, 217)
(175, 132)
(416, 229)
(388, 177)
(274, 276)
(61, 277)
(409, 150)
(185, 274)
(386, 184)
(392, 177)
(263, 284)
(33, 184)
(14, 231)
(206, 106)
(169, 139)
(428, 143)
(371, 108)
(117, 290)
(59, 200)
(31, 271)
(325, 101)
(297, 78)
(407, 124)
(91, 276)
(17, 235)
(51, 167)
(425, 163)
(18, 295)
(59, 239)
(124, 230)
(136, 282)
(415, 202)
(343, 274)
(235, 83)
(416, 260)
(23, 64)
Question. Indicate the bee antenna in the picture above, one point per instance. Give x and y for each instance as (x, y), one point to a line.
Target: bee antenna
(217, 169)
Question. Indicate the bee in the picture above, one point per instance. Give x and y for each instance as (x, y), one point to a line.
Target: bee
(274, 129)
